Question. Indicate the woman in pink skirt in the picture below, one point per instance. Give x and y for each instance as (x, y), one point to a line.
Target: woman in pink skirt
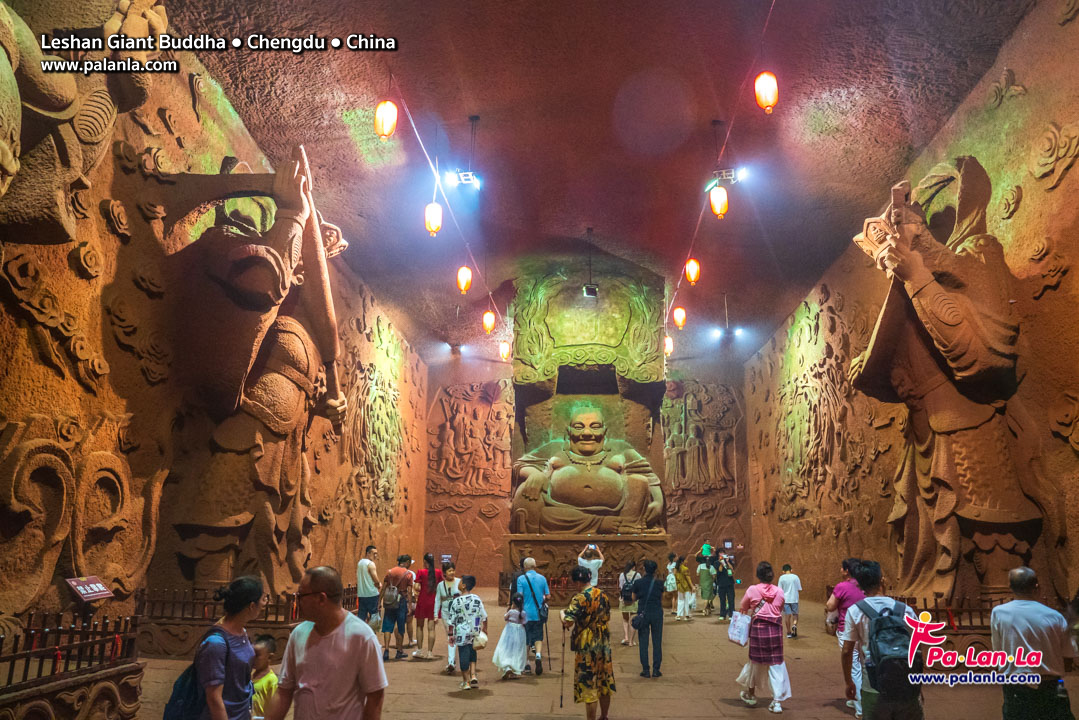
(766, 669)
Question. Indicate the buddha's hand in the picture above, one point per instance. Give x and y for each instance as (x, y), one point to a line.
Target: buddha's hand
(532, 485)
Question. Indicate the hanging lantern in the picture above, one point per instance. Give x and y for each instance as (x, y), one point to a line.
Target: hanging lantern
(679, 317)
(767, 90)
(488, 321)
(385, 119)
(668, 345)
(504, 350)
(693, 271)
(464, 278)
(717, 196)
(432, 218)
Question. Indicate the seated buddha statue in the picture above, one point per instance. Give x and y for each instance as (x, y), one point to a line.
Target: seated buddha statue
(586, 484)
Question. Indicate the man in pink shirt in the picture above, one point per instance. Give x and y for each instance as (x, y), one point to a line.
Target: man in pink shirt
(845, 595)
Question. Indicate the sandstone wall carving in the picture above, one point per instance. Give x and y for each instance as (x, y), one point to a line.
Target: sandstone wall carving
(164, 427)
(469, 430)
(826, 460)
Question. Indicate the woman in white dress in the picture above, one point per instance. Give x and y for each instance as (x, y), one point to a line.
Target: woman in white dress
(511, 654)
(447, 590)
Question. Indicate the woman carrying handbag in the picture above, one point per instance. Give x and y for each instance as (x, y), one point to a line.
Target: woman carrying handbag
(766, 667)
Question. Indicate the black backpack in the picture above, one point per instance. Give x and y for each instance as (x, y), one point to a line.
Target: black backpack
(627, 590)
(889, 644)
(188, 699)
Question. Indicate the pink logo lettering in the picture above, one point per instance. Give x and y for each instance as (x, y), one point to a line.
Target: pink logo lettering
(922, 634)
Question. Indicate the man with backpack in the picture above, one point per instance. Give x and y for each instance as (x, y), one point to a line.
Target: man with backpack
(396, 593)
(875, 625)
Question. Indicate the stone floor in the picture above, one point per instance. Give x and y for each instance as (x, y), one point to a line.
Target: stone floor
(699, 667)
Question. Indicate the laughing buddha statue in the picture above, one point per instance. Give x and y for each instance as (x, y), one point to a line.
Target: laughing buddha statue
(586, 484)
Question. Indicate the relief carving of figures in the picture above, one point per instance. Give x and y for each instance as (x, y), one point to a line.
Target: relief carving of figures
(68, 482)
(257, 317)
(699, 421)
(971, 499)
(469, 439)
(73, 119)
(821, 453)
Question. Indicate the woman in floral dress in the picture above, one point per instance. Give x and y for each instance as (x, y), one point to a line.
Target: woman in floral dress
(589, 613)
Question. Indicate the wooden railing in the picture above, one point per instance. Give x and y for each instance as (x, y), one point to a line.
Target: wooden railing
(199, 604)
(56, 646)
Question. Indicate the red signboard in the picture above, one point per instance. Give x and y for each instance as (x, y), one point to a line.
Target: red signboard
(89, 588)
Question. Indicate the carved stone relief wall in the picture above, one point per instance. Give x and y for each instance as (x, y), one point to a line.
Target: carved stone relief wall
(833, 462)
(157, 423)
(704, 466)
(469, 430)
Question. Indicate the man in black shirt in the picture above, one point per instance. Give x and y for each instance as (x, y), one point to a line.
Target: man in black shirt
(648, 591)
(725, 586)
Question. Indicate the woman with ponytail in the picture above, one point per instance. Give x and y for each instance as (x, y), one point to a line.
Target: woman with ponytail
(224, 658)
(427, 580)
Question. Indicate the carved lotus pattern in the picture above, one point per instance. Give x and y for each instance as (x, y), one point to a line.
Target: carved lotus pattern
(1055, 152)
(88, 260)
(1064, 418)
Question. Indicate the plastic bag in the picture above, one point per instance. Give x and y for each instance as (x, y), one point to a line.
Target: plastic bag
(738, 630)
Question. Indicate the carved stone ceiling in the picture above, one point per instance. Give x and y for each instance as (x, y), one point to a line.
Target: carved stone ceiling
(598, 114)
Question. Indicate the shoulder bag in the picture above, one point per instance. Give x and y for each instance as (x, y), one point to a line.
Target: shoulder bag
(543, 610)
(638, 619)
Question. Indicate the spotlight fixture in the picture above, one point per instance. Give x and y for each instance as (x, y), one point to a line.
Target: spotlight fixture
(717, 333)
(461, 177)
(741, 174)
(590, 289)
(738, 332)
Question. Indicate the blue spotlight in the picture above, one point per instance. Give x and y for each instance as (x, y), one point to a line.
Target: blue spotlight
(717, 333)
(449, 179)
(742, 174)
(738, 332)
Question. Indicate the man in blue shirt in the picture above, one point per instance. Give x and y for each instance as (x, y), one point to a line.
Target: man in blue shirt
(533, 587)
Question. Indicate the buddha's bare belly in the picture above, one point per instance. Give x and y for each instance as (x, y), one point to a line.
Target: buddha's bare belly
(587, 487)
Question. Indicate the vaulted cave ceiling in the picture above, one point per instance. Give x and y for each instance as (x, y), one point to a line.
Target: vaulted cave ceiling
(599, 114)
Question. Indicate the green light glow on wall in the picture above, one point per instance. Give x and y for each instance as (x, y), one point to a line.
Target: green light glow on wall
(360, 123)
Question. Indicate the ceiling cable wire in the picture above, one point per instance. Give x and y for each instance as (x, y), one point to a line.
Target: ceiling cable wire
(440, 189)
(723, 147)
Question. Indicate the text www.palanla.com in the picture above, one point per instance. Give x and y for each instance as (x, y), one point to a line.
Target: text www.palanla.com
(109, 65)
(974, 678)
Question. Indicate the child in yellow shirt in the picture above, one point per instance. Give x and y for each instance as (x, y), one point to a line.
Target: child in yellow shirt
(264, 679)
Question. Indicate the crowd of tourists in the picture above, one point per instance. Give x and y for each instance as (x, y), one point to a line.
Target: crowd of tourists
(334, 665)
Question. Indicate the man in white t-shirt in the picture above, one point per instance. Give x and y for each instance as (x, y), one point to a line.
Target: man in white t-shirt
(791, 585)
(332, 665)
(1028, 624)
(874, 705)
(591, 558)
(368, 586)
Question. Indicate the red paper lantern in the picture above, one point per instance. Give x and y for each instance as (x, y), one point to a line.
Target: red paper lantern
(488, 321)
(464, 278)
(717, 197)
(385, 119)
(679, 317)
(767, 90)
(693, 271)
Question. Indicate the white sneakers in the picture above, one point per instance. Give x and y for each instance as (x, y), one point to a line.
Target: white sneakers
(747, 699)
(775, 708)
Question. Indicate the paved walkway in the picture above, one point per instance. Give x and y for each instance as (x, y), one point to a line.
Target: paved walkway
(699, 667)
